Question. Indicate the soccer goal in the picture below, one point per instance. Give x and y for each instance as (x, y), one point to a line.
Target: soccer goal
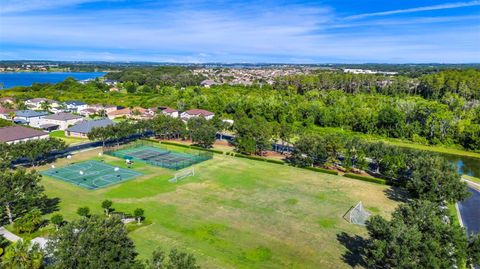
(357, 214)
(182, 174)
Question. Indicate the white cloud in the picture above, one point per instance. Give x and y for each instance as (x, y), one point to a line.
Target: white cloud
(416, 9)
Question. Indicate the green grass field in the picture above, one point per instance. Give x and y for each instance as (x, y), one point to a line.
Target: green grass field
(69, 140)
(235, 213)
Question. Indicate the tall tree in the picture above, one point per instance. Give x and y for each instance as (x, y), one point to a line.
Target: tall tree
(95, 242)
(417, 236)
(21, 193)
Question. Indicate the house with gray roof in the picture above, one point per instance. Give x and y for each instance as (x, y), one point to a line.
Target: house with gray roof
(61, 120)
(29, 117)
(16, 134)
(75, 106)
(82, 129)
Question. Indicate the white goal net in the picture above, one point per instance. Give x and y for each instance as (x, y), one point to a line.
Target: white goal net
(182, 174)
(357, 214)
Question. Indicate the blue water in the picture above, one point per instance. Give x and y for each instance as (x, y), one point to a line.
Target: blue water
(12, 79)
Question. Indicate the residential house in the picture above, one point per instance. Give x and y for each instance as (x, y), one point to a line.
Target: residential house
(132, 113)
(107, 108)
(87, 112)
(6, 113)
(82, 129)
(29, 117)
(169, 111)
(61, 120)
(15, 134)
(7, 100)
(192, 113)
(75, 106)
(124, 112)
(208, 83)
(36, 103)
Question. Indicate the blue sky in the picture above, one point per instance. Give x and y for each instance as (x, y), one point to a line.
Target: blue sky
(330, 31)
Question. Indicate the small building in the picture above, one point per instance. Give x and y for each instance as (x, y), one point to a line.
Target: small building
(82, 129)
(208, 83)
(169, 111)
(133, 113)
(75, 106)
(30, 117)
(62, 120)
(7, 100)
(193, 113)
(16, 134)
(36, 103)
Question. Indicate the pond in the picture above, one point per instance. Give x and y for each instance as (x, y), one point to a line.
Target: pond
(465, 165)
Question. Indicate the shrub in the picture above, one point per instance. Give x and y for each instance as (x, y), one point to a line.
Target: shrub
(364, 178)
(321, 170)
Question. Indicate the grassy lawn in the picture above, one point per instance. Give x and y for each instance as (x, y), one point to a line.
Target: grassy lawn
(474, 179)
(235, 213)
(69, 140)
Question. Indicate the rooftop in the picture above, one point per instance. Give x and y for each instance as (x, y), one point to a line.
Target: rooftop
(75, 103)
(86, 126)
(62, 116)
(13, 133)
(201, 112)
(30, 113)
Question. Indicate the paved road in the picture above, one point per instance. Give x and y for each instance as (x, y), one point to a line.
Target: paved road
(470, 211)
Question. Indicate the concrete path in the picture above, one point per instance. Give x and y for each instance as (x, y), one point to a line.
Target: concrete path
(9, 235)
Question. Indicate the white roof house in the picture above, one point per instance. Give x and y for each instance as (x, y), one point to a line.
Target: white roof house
(192, 113)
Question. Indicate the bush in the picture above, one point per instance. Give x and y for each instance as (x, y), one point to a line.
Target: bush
(29, 223)
(321, 170)
(364, 178)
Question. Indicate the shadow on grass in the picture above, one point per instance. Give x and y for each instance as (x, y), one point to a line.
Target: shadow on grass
(354, 256)
(397, 194)
(50, 205)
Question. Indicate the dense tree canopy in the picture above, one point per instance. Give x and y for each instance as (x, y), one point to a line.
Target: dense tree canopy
(94, 242)
(21, 193)
(370, 104)
(417, 236)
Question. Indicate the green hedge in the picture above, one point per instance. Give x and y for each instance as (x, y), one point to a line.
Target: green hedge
(239, 155)
(321, 170)
(210, 150)
(364, 178)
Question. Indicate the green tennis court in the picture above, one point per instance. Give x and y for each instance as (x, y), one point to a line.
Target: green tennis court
(161, 156)
(91, 174)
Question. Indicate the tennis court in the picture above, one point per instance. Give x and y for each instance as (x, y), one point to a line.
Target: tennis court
(91, 174)
(161, 156)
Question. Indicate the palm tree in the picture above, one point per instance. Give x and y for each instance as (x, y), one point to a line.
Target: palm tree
(22, 255)
(11, 115)
(46, 106)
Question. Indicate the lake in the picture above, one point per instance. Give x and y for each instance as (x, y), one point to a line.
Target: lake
(11, 79)
(465, 165)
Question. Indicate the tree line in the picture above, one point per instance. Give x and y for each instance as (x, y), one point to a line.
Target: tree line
(465, 83)
(147, 79)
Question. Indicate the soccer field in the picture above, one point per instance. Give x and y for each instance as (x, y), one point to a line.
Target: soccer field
(235, 213)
